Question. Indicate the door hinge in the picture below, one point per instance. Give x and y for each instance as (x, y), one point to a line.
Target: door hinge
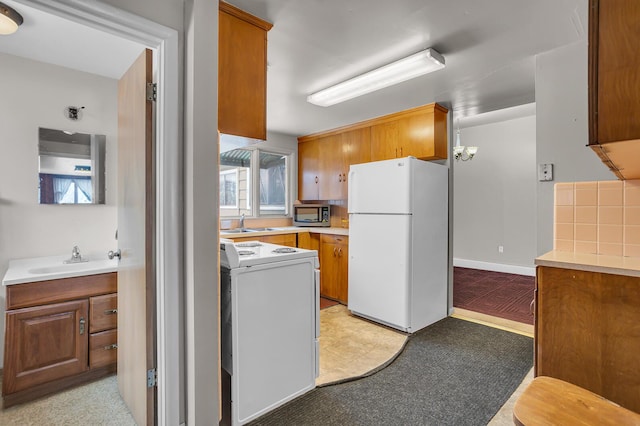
(152, 378)
(152, 92)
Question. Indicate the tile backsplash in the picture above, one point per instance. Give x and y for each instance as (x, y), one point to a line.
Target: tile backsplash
(598, 217)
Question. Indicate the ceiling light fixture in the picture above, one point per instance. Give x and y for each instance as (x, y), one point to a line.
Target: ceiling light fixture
(10, 20)
(459, 151)
(413, 66)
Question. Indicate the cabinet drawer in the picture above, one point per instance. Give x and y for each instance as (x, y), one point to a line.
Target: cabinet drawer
(60, 290)
(334, 239)
(103, 312)
(103, 348)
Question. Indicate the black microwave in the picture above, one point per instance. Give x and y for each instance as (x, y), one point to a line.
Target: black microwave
(311, 215)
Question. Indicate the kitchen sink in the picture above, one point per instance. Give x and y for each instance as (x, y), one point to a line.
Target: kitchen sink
(238, 230)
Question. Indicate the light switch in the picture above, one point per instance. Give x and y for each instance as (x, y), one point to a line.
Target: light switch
(545, 172)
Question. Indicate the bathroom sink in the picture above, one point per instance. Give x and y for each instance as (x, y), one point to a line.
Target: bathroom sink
(53, 267)
(67, 267)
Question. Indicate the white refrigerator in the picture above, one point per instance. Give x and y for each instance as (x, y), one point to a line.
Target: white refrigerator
(398, 242)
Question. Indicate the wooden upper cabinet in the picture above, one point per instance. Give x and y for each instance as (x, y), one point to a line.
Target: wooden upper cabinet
(309, 170)
(420, 132)
(331, 170)
(614, 85)
(356, 146)
(356, 149)
(242, 73)
(324, 158)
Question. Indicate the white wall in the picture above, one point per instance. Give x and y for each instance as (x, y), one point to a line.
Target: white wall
(494, 194)
(562, 129)
(35, 95)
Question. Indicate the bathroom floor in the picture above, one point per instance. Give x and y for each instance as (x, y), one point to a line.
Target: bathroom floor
(96, 403)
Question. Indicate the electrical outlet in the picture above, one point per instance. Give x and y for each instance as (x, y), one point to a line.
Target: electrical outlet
(500, 249)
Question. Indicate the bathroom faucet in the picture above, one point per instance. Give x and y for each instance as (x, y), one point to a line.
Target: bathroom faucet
(242, 222)
(75, 254)
(76, 257)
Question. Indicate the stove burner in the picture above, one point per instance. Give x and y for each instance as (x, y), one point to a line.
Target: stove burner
(253, 244)
(246, 252)
(285, 250)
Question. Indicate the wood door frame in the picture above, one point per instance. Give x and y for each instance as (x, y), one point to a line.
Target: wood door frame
(165, 44)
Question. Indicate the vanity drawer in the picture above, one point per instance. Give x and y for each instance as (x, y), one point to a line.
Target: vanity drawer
(103, 312)
(60, 290)
(103, 348)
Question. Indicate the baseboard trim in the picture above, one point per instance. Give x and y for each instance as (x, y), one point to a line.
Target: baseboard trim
(496, 267)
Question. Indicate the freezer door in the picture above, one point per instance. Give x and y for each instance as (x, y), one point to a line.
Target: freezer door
(380, 187)
(379, 265)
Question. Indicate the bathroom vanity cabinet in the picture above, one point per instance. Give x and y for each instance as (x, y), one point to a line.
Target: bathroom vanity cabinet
(59, 333)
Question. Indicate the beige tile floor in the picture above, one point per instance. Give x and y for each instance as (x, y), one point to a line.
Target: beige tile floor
(351, 346)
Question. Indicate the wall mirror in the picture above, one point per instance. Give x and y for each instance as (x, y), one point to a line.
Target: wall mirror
(71, 167)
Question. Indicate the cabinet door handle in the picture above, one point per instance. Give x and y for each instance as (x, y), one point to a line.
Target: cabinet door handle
(340, 177)
(400, 151)
(316, 179)
(82, 323)
(110, 311)
(111, 347)
(339, 252)
(532, 307)
(396, 154)
(335, 252)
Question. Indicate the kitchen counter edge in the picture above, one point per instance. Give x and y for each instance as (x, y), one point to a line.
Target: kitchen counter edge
(287, 230)
(618, 265)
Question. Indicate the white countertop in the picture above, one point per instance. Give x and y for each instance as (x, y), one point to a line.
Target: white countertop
(619, 265)
(286, 230)
(53, 267)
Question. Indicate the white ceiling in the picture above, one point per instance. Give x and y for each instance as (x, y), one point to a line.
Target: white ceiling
(48, 38)
(489, 47)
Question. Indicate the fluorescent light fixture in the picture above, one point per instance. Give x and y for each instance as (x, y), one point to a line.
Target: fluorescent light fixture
(10, 20)
(413, 66)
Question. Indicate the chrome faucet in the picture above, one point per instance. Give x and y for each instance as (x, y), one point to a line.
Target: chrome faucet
(241, 226)
(76, 257)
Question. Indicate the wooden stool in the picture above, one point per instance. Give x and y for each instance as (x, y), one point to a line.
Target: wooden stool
(549, 401)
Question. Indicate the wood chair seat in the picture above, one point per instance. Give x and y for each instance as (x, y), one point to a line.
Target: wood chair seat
(549, 401)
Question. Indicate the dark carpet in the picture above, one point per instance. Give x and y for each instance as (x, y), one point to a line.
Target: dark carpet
(498, 294)
(453, 372)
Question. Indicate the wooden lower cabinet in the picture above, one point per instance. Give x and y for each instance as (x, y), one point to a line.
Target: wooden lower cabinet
(334, 267)
(52, 346)
(588, 332)
(45, 343)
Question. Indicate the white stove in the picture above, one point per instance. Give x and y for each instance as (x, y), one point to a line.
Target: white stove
(270, 301)
(251, 253)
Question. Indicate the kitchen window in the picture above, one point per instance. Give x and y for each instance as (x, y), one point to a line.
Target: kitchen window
(229, 189)
(267, 170)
